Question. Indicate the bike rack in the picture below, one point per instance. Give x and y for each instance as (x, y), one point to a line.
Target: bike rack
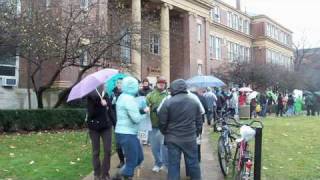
(257, 154)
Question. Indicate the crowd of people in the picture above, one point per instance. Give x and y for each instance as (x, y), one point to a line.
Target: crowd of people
(171, 119)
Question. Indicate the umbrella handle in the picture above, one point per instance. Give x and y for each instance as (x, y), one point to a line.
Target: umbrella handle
(101, 97)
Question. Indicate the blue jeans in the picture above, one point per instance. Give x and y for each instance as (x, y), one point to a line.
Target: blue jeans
(290, 110)
(132, 151)
(190, 152)
(263, 110)
(159, 150)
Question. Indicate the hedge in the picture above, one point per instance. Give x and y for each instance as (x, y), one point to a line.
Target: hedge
(44, 119)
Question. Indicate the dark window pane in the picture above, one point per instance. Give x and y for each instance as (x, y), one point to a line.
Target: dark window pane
(8, 60)
(7, 71)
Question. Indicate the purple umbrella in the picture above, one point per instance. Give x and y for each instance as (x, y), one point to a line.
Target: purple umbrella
(90, 83)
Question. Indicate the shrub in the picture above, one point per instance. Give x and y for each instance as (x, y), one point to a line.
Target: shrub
(44, 119)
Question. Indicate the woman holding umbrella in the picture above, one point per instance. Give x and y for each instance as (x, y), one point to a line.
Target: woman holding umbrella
(99, 121)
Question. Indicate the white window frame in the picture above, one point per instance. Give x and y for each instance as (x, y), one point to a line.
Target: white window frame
(216, 14)
(199, 69)
(16, 76)
(217, 48)
(241, 24)
(199, 29)
(125, 49)
(229, 17)
(211, 46)
(154, 41)
(84, 5)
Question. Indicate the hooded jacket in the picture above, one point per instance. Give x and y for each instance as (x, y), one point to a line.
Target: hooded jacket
(128, 115)
(180, 115)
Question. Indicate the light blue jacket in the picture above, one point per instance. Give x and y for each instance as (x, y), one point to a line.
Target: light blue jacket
(128, 115)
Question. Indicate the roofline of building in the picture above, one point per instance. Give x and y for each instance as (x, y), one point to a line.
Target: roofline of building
(203, 3)
(231, 30)
(273, 21)
(233, 8)
(274, 41)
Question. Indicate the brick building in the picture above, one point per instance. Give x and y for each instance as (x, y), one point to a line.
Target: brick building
(191, 37)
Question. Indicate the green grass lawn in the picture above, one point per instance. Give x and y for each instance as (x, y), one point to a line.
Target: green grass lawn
(40, 156)
(291, 148)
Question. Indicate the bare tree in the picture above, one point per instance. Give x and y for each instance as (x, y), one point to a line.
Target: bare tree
(53, 40)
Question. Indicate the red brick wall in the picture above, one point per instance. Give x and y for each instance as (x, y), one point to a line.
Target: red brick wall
(259, 55)
(257, 29)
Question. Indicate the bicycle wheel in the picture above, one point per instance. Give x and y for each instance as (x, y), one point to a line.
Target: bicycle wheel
(223, 156)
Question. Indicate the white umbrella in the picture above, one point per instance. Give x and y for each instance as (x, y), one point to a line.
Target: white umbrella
(253, 95)
(245, 89)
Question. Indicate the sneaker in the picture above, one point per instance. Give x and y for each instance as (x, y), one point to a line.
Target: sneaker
(156, 169)
(164, 168)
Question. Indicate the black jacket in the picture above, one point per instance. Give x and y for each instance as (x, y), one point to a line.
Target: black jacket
(144, 91)
(180, 115)
(97, 111)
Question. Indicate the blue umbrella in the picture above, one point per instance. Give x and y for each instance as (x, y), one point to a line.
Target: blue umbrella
(205, 81)
(111, 83)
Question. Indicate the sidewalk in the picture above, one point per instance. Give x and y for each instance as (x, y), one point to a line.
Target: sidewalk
(209, 165)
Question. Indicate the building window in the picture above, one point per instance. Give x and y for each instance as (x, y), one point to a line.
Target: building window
(154, 43)
(48, 4)
(241, 24)
(125, 49)
(9, 69)
(211, 46)
(217, 48)
(199, 32)
(216, 14)
(84, 58)
(199, 69)
(84, 4)
(229, 17)
(246, 27)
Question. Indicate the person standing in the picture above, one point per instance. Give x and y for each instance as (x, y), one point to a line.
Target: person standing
(116, 92)
(146, 89)
(263, 104)
(234, 102)
(270, 103)
(128, 118)
(253, 106)
(309, 101)
(290, 105)
(156, 138)
(99, 121)
(211, 100)
(280, 105)
(180, 122)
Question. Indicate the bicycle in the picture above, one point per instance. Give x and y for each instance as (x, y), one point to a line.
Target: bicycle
(225, 142)
(242, 154)
(243, 160)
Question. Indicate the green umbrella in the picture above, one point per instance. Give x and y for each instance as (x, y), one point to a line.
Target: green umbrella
(111, 83)
(271, 94)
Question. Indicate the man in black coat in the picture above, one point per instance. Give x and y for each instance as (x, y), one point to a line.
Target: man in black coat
(180, 122)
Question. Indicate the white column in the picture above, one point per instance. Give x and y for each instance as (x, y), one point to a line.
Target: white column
(165, 40)
(136, 38)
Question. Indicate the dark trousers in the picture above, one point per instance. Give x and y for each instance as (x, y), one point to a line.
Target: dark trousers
(101, 168)
(310, 110)
(133, 153)
(209, 117)
(279, 110)
(190, 152)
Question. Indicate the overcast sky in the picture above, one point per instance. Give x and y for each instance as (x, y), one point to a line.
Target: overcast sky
(300, 16)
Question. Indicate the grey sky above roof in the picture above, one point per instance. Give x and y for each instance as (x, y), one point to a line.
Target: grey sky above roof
(299, 16)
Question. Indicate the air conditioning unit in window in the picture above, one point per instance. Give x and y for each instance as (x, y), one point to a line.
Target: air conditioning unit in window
(8, 82)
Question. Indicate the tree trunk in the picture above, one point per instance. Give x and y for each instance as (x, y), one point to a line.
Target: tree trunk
(62, 97)
(39, 95)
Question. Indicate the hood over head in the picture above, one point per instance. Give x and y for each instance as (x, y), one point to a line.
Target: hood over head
(130, 86)
(178, 86)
